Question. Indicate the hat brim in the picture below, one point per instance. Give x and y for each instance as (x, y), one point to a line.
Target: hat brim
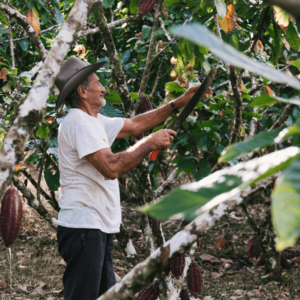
(75, 80)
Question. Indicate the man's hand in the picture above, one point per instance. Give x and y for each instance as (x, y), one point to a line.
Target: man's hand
(162, 139)
(187, 96)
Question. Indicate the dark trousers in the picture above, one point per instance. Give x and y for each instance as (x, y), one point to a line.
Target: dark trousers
(88, 254)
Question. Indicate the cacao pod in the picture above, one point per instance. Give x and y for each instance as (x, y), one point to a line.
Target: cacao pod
(145, 104)
(184, 295)
(11, 216)
(145, 6)
(194, 279)
(150, 292)
(254, 248)
(177, 266)
(155, 225)
(258, 126)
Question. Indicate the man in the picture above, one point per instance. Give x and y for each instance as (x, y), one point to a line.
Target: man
(89, 199)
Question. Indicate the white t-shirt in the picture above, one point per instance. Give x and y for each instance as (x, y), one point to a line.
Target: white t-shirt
(87, 199)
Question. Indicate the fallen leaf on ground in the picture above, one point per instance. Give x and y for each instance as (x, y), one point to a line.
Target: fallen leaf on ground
(210, 258)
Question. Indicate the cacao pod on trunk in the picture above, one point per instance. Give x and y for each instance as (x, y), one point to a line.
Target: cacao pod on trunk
(254, 248)
(145, 104)
(184, 295)
(194, 279)
(177, 266)
(150, 292)
(11, 215)
(145, 6)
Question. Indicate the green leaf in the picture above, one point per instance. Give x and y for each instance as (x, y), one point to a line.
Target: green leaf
(296, 63)
(266, 100)
(258, 141)
(200, 35)
(54, 152)
(52, 180)
(107, 3)
(24, 44)
(202, 142)
(109, 111)
(134, 6)
(186, 164)
(221, 8)
(205, 169)
(219, 186)
(125, 57)
(146, 31)
(59, 16)
(43, 132)
(170, 2)
(174, 87)
(252, 115)
(286, 206)
(292, 37)
(115, 98)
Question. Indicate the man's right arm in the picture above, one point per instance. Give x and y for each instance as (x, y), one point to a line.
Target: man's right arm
(112, 166)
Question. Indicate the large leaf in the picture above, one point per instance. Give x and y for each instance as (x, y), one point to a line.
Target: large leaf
(146, 30)
(174, 87)
(286, 206)
(125, 57)
(200, 35)
(267, 100)
(115, 98)
(292, 37)
(52, 180)
(296, 63)
(43, 132)
(190, 200)
(258, 141)
(109, 111)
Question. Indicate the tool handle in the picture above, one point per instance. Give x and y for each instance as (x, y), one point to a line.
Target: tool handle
(153, 155)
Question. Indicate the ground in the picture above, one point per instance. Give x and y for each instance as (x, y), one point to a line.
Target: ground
(33, 269)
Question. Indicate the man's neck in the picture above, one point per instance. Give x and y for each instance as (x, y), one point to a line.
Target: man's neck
(93, 112)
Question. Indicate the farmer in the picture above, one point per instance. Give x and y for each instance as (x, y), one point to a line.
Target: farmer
(90, 198)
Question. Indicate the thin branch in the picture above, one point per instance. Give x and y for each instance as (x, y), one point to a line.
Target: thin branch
(286, 113)
(156, 80)
(162, 26)
(217, 21)
(31, 110)
(117, 72)
(44, 194)
(238, 106)
(149, 60)
(255, 110)
(34, 203)
(12, 52)
(82, 33)
(27, 27)
(24, 38)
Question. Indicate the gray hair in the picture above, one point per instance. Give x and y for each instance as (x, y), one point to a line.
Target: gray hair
(73, 98)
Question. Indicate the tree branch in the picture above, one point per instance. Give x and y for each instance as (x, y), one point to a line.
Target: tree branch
(34, 203)
(286, 113)
(144, 273)
(12, 52)
(149, 60)
(166, 184)
(291, 6)
(238, 106)
(30, 112)
(27, 27)
(117, 72)
(217, 21)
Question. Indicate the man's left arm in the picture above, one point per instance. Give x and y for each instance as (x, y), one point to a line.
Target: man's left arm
(152, 118)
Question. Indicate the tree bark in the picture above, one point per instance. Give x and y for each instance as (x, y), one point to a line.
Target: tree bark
(149, 60)
(117, 72)
(30, 112)
(27, 27)
(286, 113)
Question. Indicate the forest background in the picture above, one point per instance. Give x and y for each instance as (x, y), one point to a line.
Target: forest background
(237, 153)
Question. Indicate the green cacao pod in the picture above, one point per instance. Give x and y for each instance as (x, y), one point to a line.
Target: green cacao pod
(194, 279)
(11, 215)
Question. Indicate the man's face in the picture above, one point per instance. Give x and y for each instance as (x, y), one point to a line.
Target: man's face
(95, 92)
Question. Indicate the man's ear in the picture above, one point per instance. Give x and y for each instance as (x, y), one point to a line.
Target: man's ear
(81, 91)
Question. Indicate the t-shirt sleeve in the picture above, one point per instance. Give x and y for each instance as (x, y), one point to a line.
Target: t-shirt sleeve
(88, 139)
(112, 127)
